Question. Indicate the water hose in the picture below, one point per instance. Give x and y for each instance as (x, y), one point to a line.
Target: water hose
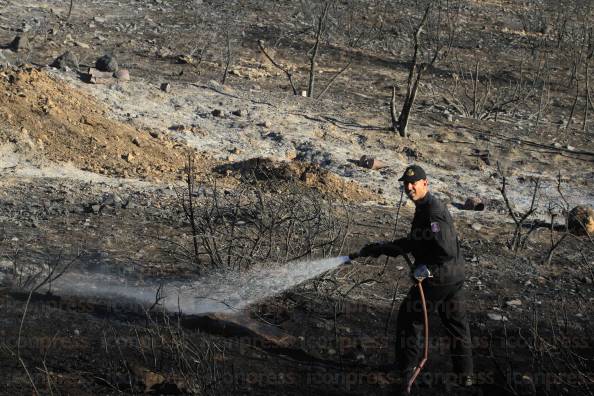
(419, 367)
(425, 338)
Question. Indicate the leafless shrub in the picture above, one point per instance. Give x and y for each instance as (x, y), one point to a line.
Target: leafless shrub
(262, 220)
(190, 361)
(431, 40)
(474, 96)
(557, 350)
(519, 237)
(31, 275)
(325, 24)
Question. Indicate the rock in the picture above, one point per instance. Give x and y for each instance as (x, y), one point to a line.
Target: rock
(136, 141)
(128, 157)
(474, 203)
(122, 74)
(291, 154)
(163, 52)
(217, 113)
(497, 317)
(581, 220)
(370, 163)
(476, 226)
(238, 113)
(67, 60)
(82, 45)
(107, 63)
(96, 208)
(3, 60)
(99, 19)
(165, 87)
(151, 380)
(112, 199)
(155, 134)
(587, 280)
(20, 43)
(513, 303)
(185, 59)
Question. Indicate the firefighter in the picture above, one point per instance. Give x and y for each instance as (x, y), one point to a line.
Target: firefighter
(434, 244)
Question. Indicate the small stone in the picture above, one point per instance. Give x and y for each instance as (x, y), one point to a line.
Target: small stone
(370, 163)
(122, 74)
(476, 226)
(76, 332)
(399, 267)
(513, 303)
(107, 63)
(185, 59)
(128, 157)
(291, 154)
(67, 60)
(136, 141)
(217, 113)
(155, 134)
(474, 203)
(99, 19)
(165, 87)
(497, 317)
(82, 45)
(581, 220)
(587, 280)
(237, 113)
(96, 208)
(20, 43)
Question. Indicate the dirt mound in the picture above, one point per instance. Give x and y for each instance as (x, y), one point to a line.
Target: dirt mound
(43, 115)
(310, 175)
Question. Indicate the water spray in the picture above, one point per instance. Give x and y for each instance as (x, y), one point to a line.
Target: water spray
(217, 292)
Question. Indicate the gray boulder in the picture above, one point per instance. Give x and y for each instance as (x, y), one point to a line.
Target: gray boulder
(107, 63)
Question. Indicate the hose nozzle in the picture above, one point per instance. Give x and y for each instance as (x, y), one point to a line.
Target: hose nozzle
(347, 259)
(354, 256)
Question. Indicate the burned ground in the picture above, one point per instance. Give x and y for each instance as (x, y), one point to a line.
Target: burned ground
(95, 176)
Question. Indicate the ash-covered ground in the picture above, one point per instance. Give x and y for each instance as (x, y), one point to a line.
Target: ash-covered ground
(94, 182)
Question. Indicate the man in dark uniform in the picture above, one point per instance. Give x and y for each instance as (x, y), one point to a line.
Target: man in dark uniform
(434, 244)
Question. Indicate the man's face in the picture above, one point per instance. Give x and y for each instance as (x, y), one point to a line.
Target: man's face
(417, 190)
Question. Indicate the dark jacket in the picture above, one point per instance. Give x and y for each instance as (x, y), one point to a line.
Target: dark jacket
(432, 241)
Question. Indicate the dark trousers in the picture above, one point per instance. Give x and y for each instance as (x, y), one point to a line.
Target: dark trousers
(447, 300)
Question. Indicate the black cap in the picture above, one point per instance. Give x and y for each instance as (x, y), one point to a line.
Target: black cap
(412, 174)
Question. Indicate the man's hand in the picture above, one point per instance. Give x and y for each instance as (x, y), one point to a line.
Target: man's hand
(372, 249)
(421, 272)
